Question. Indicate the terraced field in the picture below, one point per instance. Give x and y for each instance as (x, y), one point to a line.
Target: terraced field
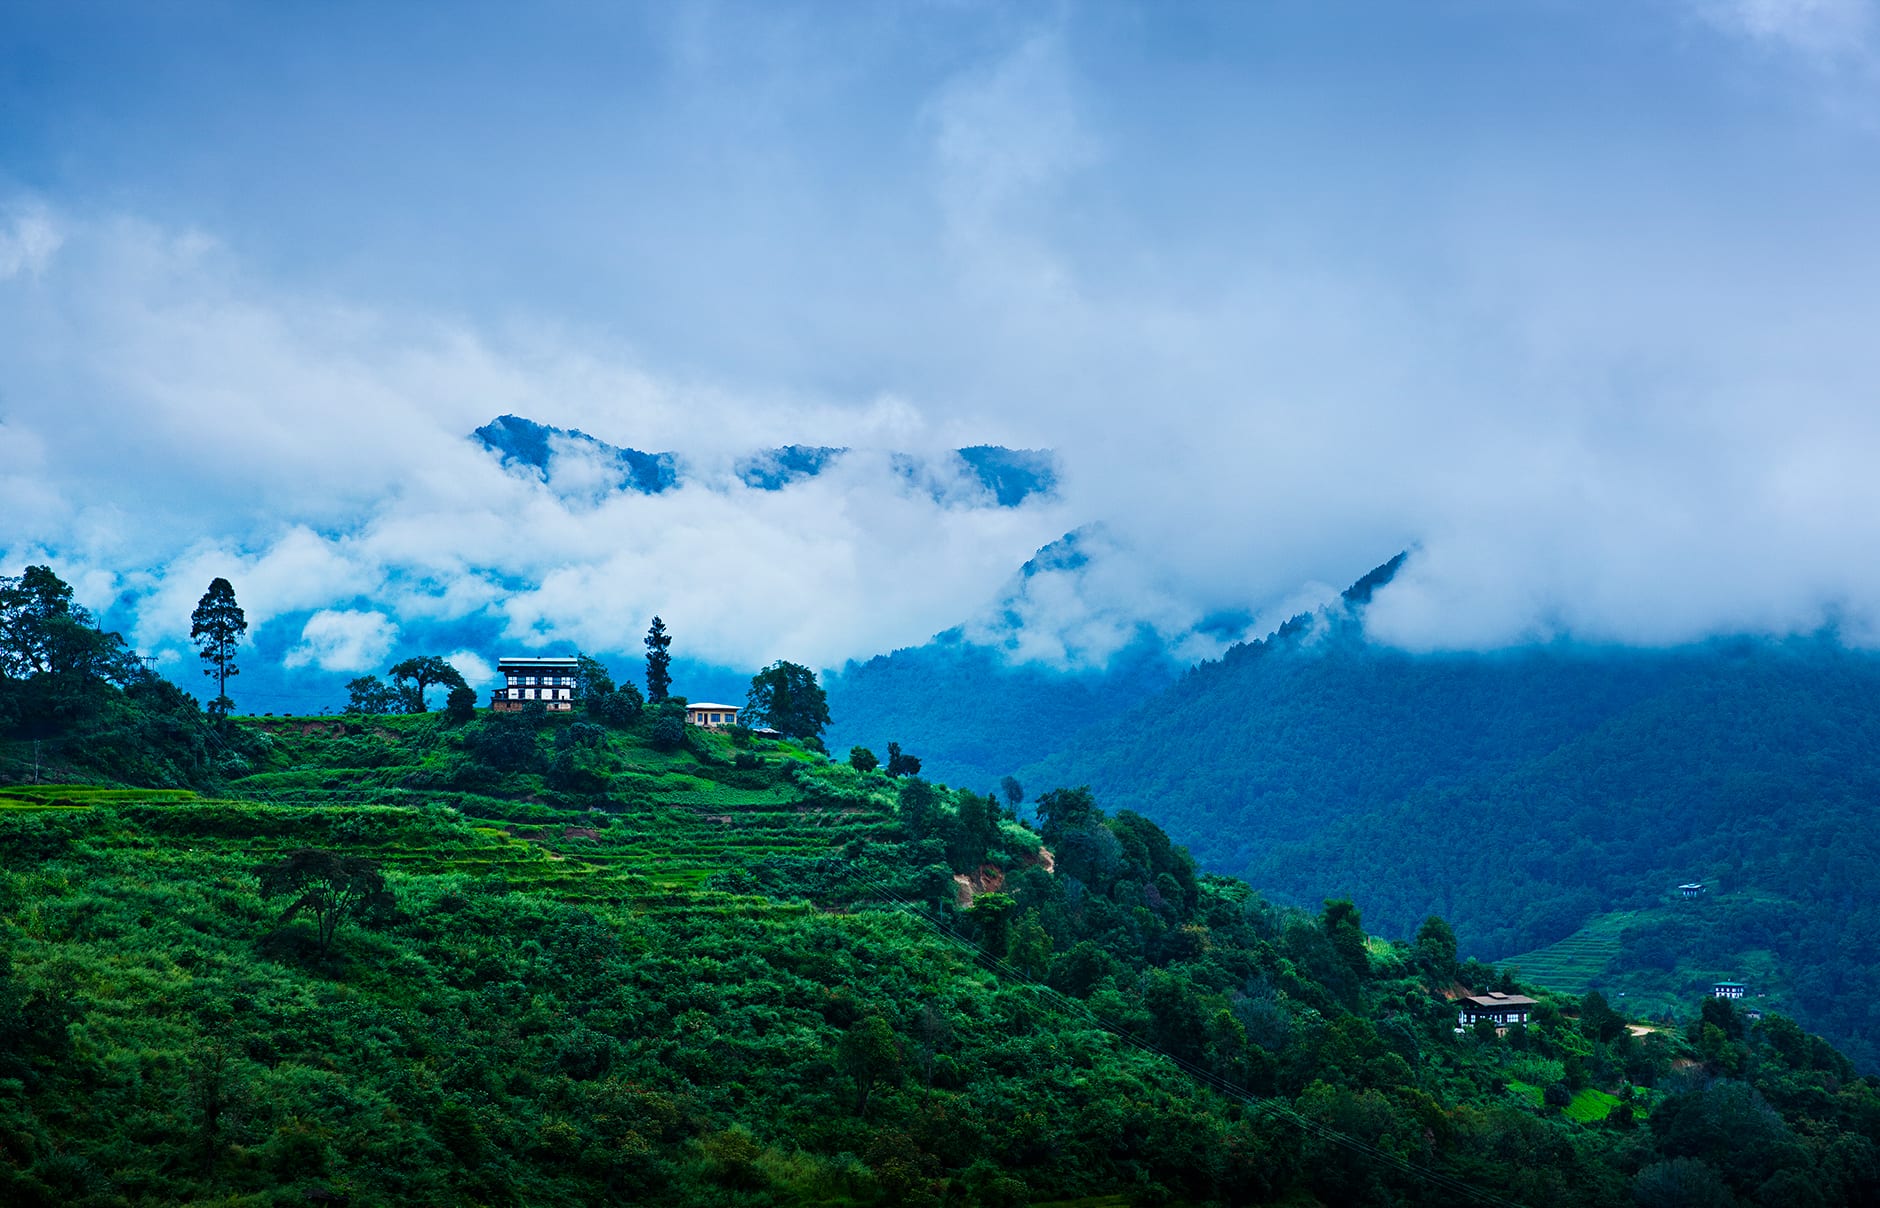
(675, 837)
(1575, 963)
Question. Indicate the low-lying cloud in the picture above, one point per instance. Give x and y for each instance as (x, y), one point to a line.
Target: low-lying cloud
(1604, 365)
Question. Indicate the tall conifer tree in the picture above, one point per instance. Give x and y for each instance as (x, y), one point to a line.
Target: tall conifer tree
(217, 627)
(658, 662)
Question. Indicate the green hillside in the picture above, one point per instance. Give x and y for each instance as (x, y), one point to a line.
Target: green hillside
(604, 957)
(735, 973)
(1523, 795)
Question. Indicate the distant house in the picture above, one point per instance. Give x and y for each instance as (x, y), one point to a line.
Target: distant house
(1692, 889)
(549, 682)
(1499, 1009)
(1729, 990)
(712, 717)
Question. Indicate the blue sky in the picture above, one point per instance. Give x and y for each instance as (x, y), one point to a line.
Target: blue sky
(1576, 299)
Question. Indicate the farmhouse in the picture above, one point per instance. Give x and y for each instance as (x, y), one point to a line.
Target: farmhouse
(711, 716)
(526, 680)
(1496, 1007)
(1728, 990)
(1692, 889)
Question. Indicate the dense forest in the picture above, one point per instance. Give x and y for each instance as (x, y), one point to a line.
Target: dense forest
(1523, 795)
(976, 717)
(600, 957)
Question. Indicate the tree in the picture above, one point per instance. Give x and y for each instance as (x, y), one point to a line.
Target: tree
(217, 627)
(411, 677)
(789, 700)
(370, 695)
(329, 886)
(461, 705)
(592, 680)
(1012, 791)
(658, 662)
(862, 759)
(868, 1053)
(900, 764)
(1436, 948)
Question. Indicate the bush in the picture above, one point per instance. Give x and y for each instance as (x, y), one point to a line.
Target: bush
(617, 709)
(461, 705)
(667, 734)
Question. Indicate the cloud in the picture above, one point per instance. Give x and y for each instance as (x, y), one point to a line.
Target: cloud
(1588, 326)
(1825, 29)
(345, 640)
(28, 239)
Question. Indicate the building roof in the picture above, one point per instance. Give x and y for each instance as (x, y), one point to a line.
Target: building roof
(1498, 999)
(535, 661)
(695, 706)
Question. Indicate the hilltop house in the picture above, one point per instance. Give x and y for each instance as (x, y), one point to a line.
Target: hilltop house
(1692, 889)
(1724, 989)
(525, 680)
(1496, 1007)
(711, 716)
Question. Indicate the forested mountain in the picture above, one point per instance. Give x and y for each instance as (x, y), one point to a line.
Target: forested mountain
(1007, 476)
(972, 715)
(1521, 794)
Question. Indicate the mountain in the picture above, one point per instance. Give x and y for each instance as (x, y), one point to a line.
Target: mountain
(1524, 794)
(1008, 476)
(548, 961)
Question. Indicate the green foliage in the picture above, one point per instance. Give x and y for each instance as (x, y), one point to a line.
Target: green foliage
(685, 981)
(414, 676)
(1525, 795)
(330, 887)
(658, 662)
(786, 697)
(370, 696)
(217, 626)
(862, 759)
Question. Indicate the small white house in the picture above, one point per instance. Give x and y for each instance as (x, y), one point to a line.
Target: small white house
(711, 716)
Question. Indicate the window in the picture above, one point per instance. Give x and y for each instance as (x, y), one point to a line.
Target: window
(514, 680)
(564, 694)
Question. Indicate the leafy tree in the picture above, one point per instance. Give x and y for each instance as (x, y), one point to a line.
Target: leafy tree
(1346, 931)
(1436, 949)
(1065, 809)
(862, 759)
(1012, 791)
(592, 680)
(869, 1053)
(667, 733)
(619, 708)
(900, 764)
(658, 662)
(461, 704)
(1598, 1021)
(217, 627)
(370, 695)
(329, 886)
(788, 698)
(413, 676)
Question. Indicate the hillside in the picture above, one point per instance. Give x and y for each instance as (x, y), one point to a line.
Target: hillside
(732, 973)
(973, 716)
(1520, 795)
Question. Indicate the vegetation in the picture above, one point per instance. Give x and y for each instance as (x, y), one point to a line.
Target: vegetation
(547, 959)
(658, 662)
(1527, 795)
(599, 972)
(217, 627)
(786, 697)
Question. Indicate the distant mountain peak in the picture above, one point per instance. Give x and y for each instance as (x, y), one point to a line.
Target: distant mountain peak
(1009, 476)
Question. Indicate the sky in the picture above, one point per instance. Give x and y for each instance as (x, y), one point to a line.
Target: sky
(1574, 301)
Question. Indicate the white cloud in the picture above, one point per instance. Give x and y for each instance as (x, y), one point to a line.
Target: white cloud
(28, 240)
(1827, 29)
(345, 640)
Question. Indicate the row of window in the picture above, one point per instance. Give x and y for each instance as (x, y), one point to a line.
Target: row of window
(515, 680)
(530, 694)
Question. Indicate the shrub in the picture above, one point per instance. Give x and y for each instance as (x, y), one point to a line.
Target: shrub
(667, 734)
